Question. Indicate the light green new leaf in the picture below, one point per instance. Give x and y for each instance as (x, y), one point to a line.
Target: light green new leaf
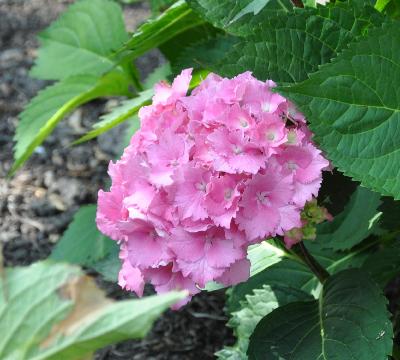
(82, 243)
(174, 21)
(287, 49)
(82, 41)
(357, 221)
(381, 4)
(349, 321)
(45, 110)
(257, 305)
(240, 17)
(52, 311)
(353, 108)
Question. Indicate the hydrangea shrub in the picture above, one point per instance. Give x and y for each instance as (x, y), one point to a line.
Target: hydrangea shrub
(206, 175)
(270, 117)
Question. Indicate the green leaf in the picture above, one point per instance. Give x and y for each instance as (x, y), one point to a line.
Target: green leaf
(257, 305)
(127, 110)
(381, 4)
(240, 17)
(288, 272)
(82, 41)
(174, 21)
(349, 321)
(288, 48)
(160, 73)
(277, 267)
(264, 255)
(354, 111)
(46, 110)
(254, 7)
(205, 54)
(393, 9)
(52, 311)
(384, 264)
(82, 243)
(109, 266)
(390, 214)
(310, 3)
(261, 256)
(175, 47)
(357, 221)
(158, 6)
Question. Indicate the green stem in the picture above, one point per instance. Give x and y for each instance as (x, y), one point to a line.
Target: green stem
(313, 264)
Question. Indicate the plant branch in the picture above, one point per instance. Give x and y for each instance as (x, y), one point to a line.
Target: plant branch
(313, 264)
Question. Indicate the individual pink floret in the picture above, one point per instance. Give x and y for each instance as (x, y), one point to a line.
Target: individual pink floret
(205, 176)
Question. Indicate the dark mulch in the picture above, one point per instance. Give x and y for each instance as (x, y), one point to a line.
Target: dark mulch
(39, 202)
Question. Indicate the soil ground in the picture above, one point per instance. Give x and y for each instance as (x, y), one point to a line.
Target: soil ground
(39, 202)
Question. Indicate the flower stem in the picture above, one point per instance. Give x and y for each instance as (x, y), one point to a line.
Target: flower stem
(313, 264)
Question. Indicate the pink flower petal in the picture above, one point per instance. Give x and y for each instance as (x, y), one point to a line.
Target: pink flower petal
(237, 273)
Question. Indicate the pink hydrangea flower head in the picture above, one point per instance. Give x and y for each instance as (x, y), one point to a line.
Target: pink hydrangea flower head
(205, 176)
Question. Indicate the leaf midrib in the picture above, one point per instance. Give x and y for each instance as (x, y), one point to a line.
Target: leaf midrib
(23, 155)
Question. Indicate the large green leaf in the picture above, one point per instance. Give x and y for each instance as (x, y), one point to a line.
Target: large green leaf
(288, 48)
(175, 47)
(284, 274)
(287, 272)
(240, 17)
(384, 264)
(271, 265)
(354, 110)
(45, 110)
(349, 321)
(174, 21)
(257, 305)
(82, 243)
(357, 221)
(82, 41)
(205, 54)
(52, 311)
